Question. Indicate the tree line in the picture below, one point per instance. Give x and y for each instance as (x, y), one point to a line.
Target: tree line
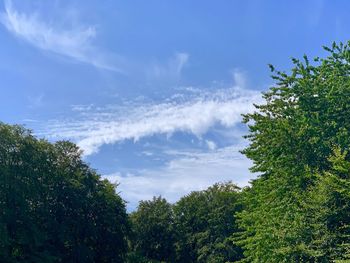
(197, 228)
(55, 208)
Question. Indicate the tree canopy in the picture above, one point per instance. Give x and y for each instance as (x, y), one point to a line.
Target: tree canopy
(292, 141)
(205, 222)
(54, 208)
(197, 228)
(153, 230)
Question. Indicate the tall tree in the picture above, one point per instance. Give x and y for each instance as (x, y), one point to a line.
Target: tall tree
(291, 138)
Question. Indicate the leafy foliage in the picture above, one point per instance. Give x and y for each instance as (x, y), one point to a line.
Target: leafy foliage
(195, 229)
(205, 221)
(153, 228)
(327, 212)
(292, 137)
(54, 208)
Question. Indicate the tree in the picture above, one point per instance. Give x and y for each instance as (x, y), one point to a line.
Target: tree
(54, 208)
(153, 229)
(204, 222)
(291, 138)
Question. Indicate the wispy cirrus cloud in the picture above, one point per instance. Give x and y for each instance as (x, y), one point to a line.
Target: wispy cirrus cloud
(187, 171)
(213, 115)
(74, 43)
(171, 70)
(193, 113)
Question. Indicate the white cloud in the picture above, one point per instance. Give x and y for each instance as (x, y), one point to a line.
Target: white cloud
(75, 43)
(180, 61)
(188, 171)
(211, 145)
(170, 70)
(36, 100)
(239, 78)
(194, 114)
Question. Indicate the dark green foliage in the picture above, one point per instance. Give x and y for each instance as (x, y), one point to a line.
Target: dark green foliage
(133, 257)
(292, 136)
(54, 208)
(153, 230)
(197, 228)
(204, 222)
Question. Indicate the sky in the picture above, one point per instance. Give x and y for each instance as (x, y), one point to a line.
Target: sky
(153, 91)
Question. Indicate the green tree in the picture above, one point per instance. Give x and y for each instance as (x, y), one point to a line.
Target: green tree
(204, 222)
(53, 207)
(291, 138)
(153, 231)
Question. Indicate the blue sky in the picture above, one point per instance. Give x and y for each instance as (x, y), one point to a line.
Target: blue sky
(153, 91)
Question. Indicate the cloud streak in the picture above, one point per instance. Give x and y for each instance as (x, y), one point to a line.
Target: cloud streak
(75, 43)
(193, 113)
